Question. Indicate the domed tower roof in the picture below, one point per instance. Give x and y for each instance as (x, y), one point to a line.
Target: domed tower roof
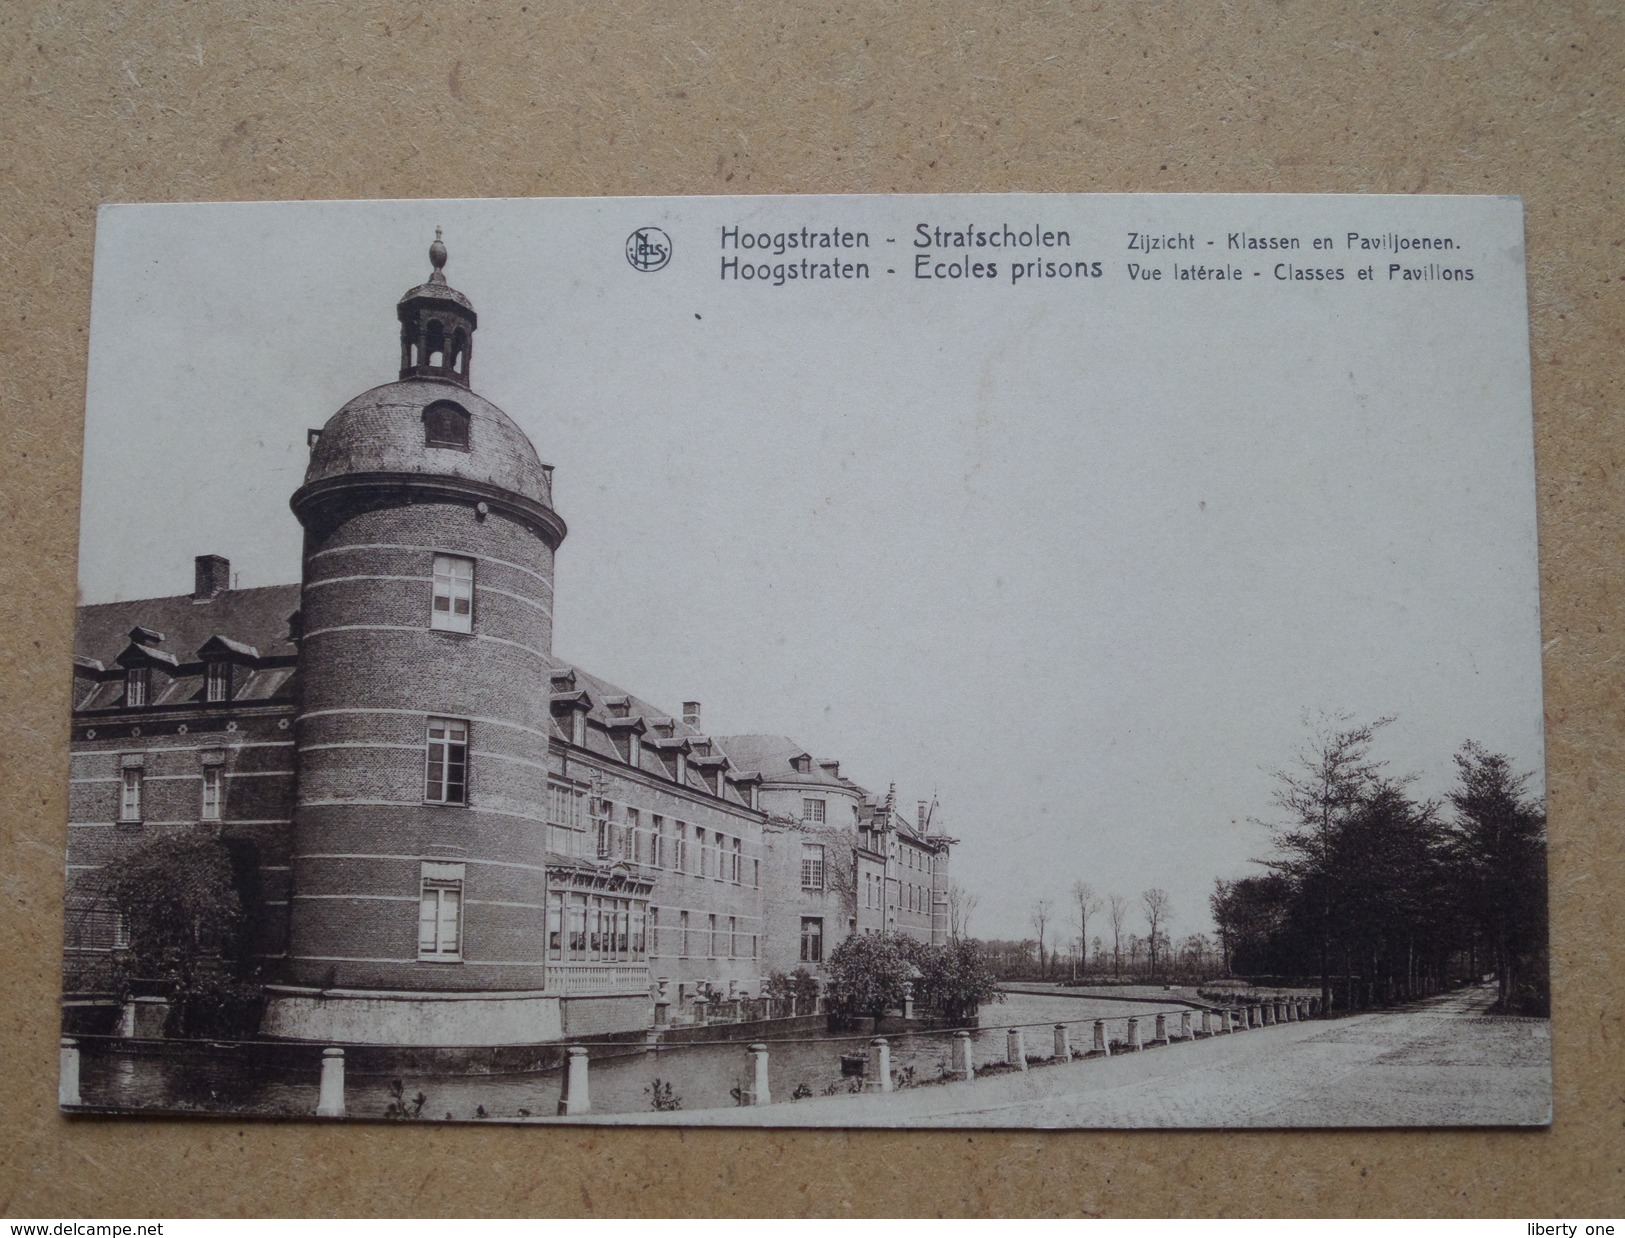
(428, 429)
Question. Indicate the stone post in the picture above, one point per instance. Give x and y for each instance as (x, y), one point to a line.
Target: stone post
(1063, 1043)
(67, 1084)
(1280, 1010)
(1015, 1052)
(1268, 1013)
(1291, 1011)
(330, 1099)
(1185, 1025)
(759, 1090)
(879, 1072)
(126, 1019)
(1207, 1022)
(964, 1062)
(1255, 1017)
(575, 1101)
(1303, 1009)
(908, 999)
(700, 1008)
(1161, 1036)
(662, 1013)
(1134, 1045)
(1102, 1045)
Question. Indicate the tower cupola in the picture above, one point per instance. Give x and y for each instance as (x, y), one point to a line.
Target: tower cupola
(437, 326)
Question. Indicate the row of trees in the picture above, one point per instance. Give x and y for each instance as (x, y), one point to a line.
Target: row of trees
(1119, 952)
(1390, 895)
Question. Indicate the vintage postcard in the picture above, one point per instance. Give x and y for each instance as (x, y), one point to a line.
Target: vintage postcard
(1004, 660)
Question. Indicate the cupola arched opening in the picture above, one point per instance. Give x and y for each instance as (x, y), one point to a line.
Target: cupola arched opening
(445, 424)
(435, 345)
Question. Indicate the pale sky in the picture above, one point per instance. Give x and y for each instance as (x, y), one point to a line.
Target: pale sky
(1076, 555)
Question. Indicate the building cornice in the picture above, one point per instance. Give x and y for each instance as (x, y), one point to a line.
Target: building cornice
(312, 501)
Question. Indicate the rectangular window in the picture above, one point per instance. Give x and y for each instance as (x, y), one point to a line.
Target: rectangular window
(604, 828)
(218, 685)
(440, 913)
(812, 939)
(812, 810)
(578, 927)
(733, 937)
(756, 874)
(682, 934)
(211, 793)
(453, 594)
(566, 819)
(555, 926)
(640, 924)
(129, 805)
(657, 843)
(630, 839)
(446, 762)
(679, 855)
(711, 932)
(705, 852)
(737, 863)
(812, 866)
(136, 680)
(654, 931)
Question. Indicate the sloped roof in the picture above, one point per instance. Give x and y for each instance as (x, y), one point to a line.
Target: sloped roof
(770, 756)
(252, 617)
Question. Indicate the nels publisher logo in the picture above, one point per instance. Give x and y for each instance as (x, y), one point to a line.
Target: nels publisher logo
(648, 249)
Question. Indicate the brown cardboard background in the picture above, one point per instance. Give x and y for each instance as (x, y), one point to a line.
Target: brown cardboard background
(167, 101)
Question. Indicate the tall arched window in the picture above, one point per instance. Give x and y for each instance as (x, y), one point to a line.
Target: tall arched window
(445, 425)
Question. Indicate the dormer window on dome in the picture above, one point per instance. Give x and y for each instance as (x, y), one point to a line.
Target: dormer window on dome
(446, 425)
(437, 326)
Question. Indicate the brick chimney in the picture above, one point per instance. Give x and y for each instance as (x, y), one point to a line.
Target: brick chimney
(212, 578)
(691, 714)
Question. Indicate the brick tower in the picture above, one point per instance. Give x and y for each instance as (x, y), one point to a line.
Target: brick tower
(418, 891)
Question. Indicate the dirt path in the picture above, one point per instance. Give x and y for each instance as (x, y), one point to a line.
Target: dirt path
(1444, 1062)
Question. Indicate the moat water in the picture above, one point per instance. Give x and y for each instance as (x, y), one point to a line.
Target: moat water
(234, 1081)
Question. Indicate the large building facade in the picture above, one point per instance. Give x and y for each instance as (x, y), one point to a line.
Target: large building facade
(445, 834)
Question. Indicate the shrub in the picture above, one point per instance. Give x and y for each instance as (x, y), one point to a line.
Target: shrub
(661, 1098)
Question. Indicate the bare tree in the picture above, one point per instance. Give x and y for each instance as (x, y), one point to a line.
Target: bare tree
(1118, 911)
(1088, 904)
(961, 902)
(1039, 914)
(840, 865)
(1157, 912)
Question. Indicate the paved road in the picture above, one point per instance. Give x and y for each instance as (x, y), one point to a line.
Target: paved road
(1444, 1062)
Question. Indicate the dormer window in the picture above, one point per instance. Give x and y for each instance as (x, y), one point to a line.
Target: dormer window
(446, 425)
(137, 683)
(217, 681)
(634, 750)
(801, 764)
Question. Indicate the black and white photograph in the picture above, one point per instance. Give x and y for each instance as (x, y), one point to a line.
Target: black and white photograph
(1020, 660)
